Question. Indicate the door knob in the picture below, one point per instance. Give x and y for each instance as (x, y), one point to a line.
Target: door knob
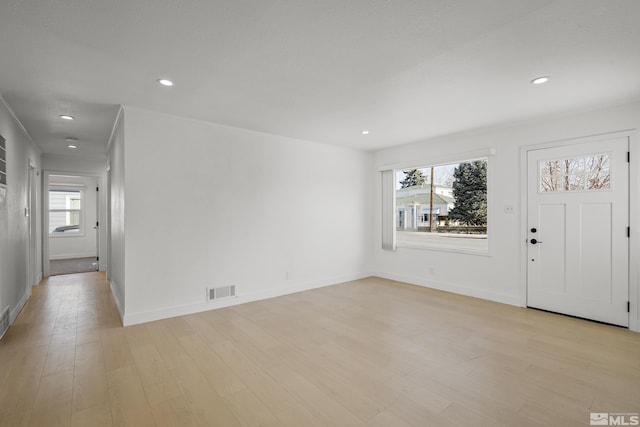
(534, 241)
(533, 230)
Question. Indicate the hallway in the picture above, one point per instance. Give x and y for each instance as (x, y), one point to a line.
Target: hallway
(51, 357)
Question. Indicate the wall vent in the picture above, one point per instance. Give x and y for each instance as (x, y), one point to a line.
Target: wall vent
(221, 292)
(4, 322)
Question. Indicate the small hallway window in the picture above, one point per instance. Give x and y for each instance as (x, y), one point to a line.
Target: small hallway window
(65, 211)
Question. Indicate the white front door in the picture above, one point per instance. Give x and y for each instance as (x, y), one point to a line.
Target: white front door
(578, 216)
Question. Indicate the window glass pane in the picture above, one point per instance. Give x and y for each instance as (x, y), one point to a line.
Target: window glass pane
(575, 174)
(551, 168)
(64, 199)
(598, 175)
(573, 166)
(551, 175)
(574, 182)
(64, 211)
(443, 207)
(551, 183)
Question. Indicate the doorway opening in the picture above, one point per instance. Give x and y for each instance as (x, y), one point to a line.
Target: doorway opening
(72, 224)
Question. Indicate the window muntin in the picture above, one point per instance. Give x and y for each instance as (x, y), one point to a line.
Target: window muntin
(585, 173)
(459, 213)
(65, 211)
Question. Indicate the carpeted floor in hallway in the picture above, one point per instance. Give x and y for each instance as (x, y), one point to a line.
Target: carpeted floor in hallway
(73, 265)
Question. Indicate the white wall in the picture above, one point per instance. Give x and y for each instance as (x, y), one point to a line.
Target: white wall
(115, 217)
(14, 225)
(77, 245)
(191, 223)
(86, 166)
(498, 277)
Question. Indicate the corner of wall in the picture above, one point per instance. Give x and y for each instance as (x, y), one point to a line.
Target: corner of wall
(455, 288)
(117, 299)
(114, 129)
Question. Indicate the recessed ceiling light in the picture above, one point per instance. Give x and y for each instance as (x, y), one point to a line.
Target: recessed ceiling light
(71, 139)
(540, 80)
(67, 117)
(365, 132)
(165, 82)
(72, 146)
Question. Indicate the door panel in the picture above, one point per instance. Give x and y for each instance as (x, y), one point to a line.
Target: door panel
(552, 234)
(578, 204)
(595, 252)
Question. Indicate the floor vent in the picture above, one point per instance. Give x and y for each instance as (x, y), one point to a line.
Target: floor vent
(4, 322)
(222, 292)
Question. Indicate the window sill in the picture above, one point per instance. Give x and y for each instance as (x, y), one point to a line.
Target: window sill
(485, 253)
(65, 235)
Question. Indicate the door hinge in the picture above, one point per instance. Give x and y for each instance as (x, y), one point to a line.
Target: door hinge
(97, 258)
(97, 188)
(628, 156)
(628, 306)
(628, 231)
(97, 224)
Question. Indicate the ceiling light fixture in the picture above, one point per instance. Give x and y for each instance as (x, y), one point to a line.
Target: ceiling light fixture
(165, 82)
(67, 117)
(365, 132)
(71, 139)
(72, 146)
(540, 80)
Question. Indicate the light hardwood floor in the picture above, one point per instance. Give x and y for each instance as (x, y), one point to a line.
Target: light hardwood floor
(369, 352)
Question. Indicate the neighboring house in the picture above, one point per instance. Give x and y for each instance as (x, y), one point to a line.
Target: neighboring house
(413, 206)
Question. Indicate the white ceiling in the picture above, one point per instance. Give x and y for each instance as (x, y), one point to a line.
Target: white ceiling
(318, 70)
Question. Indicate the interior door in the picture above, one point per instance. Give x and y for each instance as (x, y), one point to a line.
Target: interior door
(578, 216)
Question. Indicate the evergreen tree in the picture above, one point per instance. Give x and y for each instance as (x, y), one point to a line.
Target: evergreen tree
(470, 193)
(413, 177)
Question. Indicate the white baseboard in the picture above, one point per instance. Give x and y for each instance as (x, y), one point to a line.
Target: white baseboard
(70, 256)
(182, 310)
(13, 314)
(453, 288)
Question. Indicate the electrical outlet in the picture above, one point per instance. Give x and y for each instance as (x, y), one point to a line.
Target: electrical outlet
(509, 209)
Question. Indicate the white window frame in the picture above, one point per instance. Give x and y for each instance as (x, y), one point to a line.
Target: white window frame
(81, 211)
(441, 161)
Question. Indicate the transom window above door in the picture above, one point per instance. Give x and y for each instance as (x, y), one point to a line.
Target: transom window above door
(584, 173)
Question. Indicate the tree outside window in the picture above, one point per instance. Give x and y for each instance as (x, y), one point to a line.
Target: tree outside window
(443, 206)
